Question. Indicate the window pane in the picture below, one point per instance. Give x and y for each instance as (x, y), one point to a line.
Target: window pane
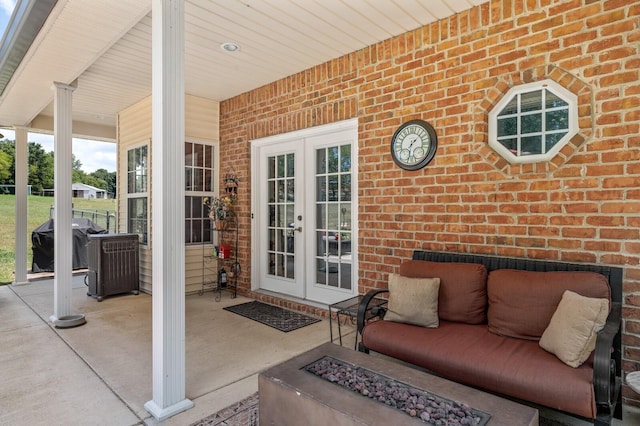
(321, 188)
(198, 155)
(333, 217)
(557, 120)
(333, 159)
(208, 156)
(188, 154)
(553, 101)
(511, 145)
(531, 101)
(345, 158)
(271, 189)
(333, 188)
(552, 139)
(345, 188)
(531, 145)
(531, 123)
(271, 167)
(321, 161)
(507, 126)
(321, 215)
(511, 107)
(291, 165)
(280, 166)
(137, 221)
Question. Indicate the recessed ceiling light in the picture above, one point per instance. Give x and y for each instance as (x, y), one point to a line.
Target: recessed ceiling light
(230, 47)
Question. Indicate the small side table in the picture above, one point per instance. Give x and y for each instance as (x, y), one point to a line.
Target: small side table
(349, 309)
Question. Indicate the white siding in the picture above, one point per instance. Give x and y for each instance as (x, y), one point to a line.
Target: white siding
(134, 127)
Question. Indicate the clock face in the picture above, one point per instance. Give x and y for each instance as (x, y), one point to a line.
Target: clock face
(413, 145)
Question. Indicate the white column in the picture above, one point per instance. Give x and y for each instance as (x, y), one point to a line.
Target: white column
(63, 239)
(22, 171)
(167, 199)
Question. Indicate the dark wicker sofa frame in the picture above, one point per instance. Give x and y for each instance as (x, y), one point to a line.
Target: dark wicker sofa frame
(607, 374)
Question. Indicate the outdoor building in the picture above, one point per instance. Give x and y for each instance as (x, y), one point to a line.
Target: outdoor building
(531, 108)
(81, 190)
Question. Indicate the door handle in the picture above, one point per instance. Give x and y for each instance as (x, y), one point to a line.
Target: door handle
(299, 229)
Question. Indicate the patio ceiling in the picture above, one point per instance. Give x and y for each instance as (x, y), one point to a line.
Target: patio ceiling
(105, 46)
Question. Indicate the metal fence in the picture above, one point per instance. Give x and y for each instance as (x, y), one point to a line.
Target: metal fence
(103, 218)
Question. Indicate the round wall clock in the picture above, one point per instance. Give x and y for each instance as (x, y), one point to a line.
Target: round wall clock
(414, 145)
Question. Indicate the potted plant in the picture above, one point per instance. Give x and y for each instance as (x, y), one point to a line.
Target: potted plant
(220, 210)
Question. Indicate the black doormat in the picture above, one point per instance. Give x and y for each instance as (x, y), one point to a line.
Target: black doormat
(273, 316)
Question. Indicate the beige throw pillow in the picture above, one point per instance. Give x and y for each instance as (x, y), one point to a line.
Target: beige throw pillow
(413, 300)
(571, 334)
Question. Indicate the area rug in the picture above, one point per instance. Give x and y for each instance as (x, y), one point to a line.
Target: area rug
(273, 316)
(246, 413)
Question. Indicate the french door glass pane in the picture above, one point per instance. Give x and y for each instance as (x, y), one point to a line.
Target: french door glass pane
(280, 205)
(333, 216)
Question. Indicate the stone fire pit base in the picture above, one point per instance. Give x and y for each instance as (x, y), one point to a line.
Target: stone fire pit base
(291, 396)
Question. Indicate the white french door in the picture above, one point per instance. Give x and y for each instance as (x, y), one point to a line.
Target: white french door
(304, 214)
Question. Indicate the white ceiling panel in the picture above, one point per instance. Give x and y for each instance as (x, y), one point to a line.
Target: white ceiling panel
(106, 46)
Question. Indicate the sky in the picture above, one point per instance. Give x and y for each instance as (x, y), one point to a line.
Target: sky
(93, 155)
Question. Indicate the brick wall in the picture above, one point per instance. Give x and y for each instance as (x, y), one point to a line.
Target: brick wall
(584, 205)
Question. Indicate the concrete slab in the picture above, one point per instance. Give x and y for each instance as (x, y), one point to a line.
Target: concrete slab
(45, 382)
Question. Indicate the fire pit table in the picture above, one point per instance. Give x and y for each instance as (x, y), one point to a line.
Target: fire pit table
(291, 394)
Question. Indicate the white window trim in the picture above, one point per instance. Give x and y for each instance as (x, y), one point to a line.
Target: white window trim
(555, 88)
(145, 194)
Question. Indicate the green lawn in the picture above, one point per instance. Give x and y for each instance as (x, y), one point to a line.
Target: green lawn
(37, 213)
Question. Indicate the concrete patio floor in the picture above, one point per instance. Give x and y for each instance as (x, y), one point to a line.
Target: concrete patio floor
(100, 373)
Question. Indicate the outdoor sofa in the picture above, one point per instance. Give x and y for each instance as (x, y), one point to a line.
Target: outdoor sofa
(492, 316)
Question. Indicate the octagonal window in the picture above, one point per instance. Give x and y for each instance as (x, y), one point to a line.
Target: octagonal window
(533, 122)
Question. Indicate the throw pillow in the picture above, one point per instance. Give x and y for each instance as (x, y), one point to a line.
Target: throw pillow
(463, 288)
(571, 334)
(413, 300)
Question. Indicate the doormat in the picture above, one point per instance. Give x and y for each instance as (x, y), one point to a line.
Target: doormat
(273, 316)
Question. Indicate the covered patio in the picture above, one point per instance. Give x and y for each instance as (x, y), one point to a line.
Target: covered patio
(100, 373)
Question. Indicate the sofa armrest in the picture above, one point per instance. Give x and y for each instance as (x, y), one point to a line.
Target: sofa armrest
(363, 308)
(605, 383)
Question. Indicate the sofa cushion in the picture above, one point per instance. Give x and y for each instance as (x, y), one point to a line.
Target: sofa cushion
(463, 288)
(521, 303)
(571, 334)
(472, 355)
(413, 300)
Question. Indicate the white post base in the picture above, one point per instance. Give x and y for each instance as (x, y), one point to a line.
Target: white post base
(16, 283)
(164, 413)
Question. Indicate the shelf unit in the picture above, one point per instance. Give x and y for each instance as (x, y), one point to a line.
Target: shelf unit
(212, 263)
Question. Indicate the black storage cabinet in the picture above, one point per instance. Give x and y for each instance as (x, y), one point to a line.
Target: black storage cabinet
(113, 265)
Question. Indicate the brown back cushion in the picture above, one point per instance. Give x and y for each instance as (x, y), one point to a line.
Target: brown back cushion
(521, 303)
(463, 288)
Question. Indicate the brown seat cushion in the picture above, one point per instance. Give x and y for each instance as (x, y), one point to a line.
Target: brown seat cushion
(521, 303)
(463, 288)
(472, 355)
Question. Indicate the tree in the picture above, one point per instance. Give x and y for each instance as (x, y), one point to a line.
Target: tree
(108, 177)
(41, 169)
(5, 164)
(40, 165)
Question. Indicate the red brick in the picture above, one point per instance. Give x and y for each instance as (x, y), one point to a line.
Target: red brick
(582, 206)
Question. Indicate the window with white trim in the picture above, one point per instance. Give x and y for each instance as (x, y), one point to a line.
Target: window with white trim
(533, 122)
(137, 192)
(199, 168)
